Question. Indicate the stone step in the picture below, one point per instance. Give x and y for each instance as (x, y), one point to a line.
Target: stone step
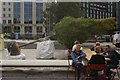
(40, 75)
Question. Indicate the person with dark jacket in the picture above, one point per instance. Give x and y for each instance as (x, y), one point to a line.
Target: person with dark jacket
(111, 59)
(97, 59)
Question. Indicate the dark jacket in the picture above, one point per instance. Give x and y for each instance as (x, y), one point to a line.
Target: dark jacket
(111, 54)
(97, 59)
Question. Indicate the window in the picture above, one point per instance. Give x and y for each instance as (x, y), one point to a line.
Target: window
(84, 5)
(9, 21)
(9, 3)
(39, 29)
(87, 15)
(17, 29)
(87, 5)
(108, 14)
(9, 15)
(4, 21)
(6, 29)
(3, 9)
(28, 12)
(94, 4)
(16, 14)
(39, 12)
(91, 4)
(87, 10)
(4, 15)
(100, 15)
(9, 9)
(90, 11)
(98, 5)
(97, 16)
(3, 3)
(28, 29)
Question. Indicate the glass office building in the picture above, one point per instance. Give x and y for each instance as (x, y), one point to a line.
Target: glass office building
(118, 16)
(24, 18)
(100, 10)
(97, 9)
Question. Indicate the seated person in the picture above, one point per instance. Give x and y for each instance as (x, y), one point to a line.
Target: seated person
(97, 59)
(14, 51)
(97, 44)
(74, 46)
(111, 59)
(77, 56)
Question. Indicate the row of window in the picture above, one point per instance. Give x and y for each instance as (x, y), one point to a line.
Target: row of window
(5, 9)
(96, 13)
(4, 3)
(28, 12)
(96, 10)
(18, 21)
(92, 4)
(28, 29)
(7, 21)
(6, 15)
(100, 15)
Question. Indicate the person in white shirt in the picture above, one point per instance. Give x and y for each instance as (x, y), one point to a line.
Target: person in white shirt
(74, 46)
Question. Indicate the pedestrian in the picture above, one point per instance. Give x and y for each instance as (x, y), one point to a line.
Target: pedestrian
(77, 57)
(14, 51)
(111, 59)
(116, 39)
(97, 44)
(74, 46)
(97, 59)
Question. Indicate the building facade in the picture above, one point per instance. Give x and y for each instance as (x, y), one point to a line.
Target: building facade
(118, 16)
(97, 9)
(0, 18)
(100, 10)
(24, 18)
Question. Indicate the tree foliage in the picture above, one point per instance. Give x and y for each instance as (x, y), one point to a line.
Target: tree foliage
(70, 29)
(62, 9)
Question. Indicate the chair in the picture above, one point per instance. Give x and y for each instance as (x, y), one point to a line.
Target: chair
(96, 67)
(117, 70)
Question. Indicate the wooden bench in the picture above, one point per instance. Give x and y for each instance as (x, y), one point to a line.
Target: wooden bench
(34, 63)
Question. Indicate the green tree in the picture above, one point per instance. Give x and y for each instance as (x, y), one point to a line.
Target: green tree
(70, 29)
(56, 11)
(103, 26)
